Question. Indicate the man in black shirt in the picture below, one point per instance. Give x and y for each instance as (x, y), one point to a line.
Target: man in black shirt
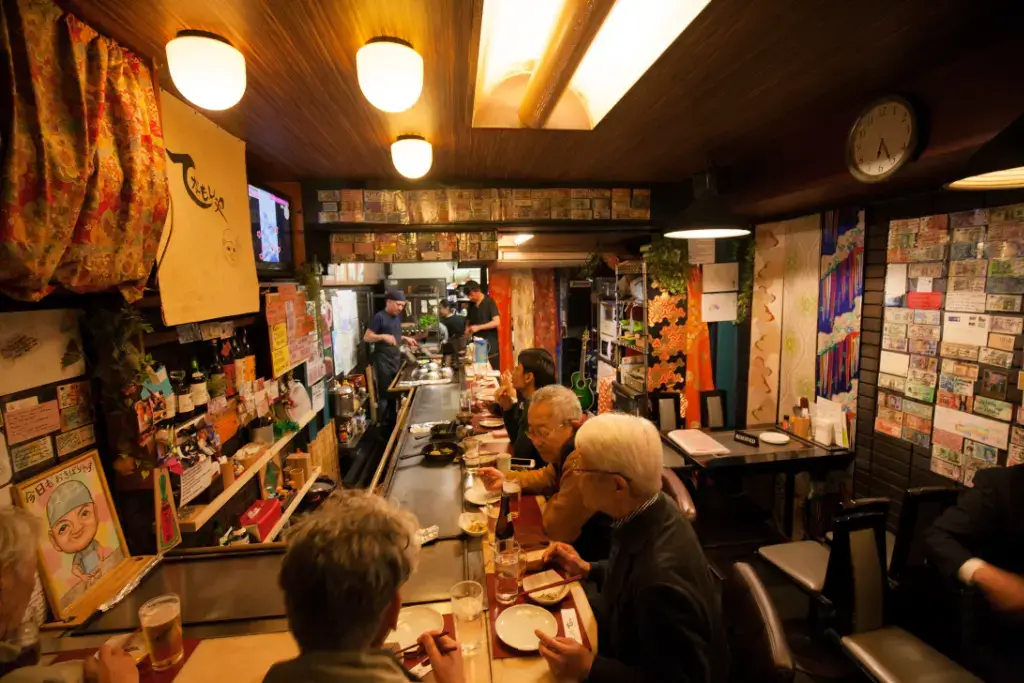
(484, 320)
(535, 370)
(385, 333)
(453, 322)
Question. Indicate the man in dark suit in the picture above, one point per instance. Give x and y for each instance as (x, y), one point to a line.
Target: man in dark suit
(980, 543)
(659, 614)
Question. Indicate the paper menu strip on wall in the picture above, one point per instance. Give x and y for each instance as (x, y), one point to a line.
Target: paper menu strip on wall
(970, 302)
(721, 277)
(895, 280)
(701, 251)
(892, 363)
(991, 432)
(965, 328)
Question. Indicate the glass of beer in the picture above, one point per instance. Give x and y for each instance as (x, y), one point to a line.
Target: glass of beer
(161, 627)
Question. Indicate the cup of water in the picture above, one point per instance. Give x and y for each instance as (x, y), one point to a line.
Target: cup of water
(506, 570)
(467, 606)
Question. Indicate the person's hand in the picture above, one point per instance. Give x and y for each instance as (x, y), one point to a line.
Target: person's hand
(447, 666)
(471, 329)
(565, 556)
(1003, 589)
(411, 342)
(388, 338)
(491, 478)
(567, 659)
(114, 665)
(506, 396)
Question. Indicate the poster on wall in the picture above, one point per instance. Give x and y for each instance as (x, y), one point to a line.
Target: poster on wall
(39, 347)
(208, 269)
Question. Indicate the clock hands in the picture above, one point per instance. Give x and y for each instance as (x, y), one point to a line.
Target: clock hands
(881, 146)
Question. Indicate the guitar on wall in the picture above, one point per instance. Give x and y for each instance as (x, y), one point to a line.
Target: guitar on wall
(582, 385)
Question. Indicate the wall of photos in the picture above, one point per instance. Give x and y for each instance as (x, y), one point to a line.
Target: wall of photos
(405, 247)
(949, 366)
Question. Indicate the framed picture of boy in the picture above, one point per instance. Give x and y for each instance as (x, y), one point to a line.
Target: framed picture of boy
(82, 541)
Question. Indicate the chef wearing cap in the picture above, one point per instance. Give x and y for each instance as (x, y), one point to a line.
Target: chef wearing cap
(71, 515)
(385, 333)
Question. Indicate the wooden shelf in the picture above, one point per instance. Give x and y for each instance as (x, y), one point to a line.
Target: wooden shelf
(204, 513)
(288, 369)
(292, 506)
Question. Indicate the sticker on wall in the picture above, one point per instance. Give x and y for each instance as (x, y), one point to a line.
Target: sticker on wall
(71, 442)
(969, 268)
(993, 384)
(31, 422)
(28, 455)
(37, 348)
(894, 363)
(917, 438)
(1006, 325)
(949, 440)
(925, 363)
(927, 347)
(953, 367)
(966, 302)
(956, 385)
(948, 399)
(966, 284)
(994, 408)
(76, 416)
(974, 427)
(1003, 342)
(1003, 303)
(921, 410)
(1003, 359)
(893, 382)
(945, 469)
(5, 463)
(947, 454)
(960, 328)
(902, 316)
(73, 394)
(959, 351)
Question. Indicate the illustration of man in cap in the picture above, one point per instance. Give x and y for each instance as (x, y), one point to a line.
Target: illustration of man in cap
(71, 514)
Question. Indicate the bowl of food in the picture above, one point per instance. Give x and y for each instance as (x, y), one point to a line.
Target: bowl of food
(441, 451)
(545, 596)
(473, 523)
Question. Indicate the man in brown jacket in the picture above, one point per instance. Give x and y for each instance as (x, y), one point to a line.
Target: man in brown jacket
(553, 418)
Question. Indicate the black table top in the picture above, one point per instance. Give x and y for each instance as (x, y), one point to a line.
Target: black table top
(797, 455)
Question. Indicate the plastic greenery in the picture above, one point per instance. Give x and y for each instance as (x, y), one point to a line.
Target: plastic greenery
(743, 252)
(668, 264)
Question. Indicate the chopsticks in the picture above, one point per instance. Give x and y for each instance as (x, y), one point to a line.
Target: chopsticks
(443, 650)
(556, 584)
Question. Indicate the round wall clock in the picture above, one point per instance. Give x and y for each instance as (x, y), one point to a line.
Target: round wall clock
(883, 139)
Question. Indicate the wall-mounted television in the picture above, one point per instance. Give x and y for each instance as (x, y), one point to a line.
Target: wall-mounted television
(270, 216)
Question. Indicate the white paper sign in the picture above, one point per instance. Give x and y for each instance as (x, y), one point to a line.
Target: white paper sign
(974, 427)
(318, 397)
(895, 280)
(718, 307)
(971, 302)
(701, 251)
(196, 479)
(924, 284)
(965, 328)
(721, 277)
(571, 625)
(892, 363)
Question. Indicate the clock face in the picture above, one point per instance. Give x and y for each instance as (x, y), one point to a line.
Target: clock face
(882, 140)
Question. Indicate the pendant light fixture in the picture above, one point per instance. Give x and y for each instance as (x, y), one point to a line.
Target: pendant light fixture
(206, 69)
(707, 216)
(998, 165)
(390, 74)
(412, 155)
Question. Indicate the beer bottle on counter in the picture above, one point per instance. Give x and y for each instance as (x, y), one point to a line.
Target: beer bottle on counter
(197, 387)
(227, 359)
(215, 379)
(504, 526)
(182, 396)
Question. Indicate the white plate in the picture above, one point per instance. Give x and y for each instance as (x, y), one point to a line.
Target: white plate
(774, 438)
(492, 422)
(466, 518)
(414, 622)
(478, 495)
(516, 625)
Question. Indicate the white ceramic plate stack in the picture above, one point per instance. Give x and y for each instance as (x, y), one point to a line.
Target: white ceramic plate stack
(516, 625)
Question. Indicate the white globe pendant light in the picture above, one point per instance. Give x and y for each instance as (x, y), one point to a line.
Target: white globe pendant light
(390, 74)
(412, 156)
(206, 69)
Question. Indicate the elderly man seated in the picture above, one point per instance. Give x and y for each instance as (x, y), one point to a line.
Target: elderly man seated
(342, 576)
(19, 534)
(553, 418)
(659, 616)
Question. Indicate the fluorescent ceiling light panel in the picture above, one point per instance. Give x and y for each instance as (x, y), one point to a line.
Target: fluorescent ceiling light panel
(1007, 179)
(633, 36)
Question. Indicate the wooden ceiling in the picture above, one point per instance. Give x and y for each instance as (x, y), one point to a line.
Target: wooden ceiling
(739, 86)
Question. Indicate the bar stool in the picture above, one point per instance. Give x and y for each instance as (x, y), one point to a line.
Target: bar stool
(758, 648)
(921, 507)
(673, 487)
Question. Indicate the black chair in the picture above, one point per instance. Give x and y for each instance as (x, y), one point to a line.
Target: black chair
(759, 652)
(921, 507)
(673, 487)
(870, 505)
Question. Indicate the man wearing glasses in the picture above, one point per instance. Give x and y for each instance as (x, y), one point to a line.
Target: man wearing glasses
(553, 418)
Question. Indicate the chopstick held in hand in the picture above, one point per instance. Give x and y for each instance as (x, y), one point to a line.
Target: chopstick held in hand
(556, 584)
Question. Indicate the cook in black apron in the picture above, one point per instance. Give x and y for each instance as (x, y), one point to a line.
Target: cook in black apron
(385, 332)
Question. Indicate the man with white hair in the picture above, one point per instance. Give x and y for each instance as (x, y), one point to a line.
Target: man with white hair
(659, 615)
(342, 576)
(20, 531)
(553, 417)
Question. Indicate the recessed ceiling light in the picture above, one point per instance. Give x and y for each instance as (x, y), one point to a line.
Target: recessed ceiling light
(206, 69)
(390, 74)
(522, 239)
(412, 156)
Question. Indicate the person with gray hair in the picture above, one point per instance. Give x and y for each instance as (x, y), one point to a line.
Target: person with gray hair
(658, 610)
(553, 418)
(342, 577)
(20, 532)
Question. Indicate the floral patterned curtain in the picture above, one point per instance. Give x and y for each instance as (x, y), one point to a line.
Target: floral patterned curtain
(84, 193)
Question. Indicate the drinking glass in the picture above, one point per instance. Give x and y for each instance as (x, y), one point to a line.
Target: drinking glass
(514, 490)
(467, 605)
(493, 509)
(506, 570)
(160, 619)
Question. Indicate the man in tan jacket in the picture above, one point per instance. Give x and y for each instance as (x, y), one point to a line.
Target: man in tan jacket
(553, 418)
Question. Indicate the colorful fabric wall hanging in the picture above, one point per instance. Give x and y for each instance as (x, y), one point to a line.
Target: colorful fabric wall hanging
(545, 311)
(500, 289)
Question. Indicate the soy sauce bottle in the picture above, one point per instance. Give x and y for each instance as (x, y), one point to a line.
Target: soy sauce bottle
(505, 527)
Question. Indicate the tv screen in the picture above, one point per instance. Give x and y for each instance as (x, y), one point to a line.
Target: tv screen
(271, 230)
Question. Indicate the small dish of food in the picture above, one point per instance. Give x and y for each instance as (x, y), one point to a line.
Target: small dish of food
(473, 523)
(549, 596)
(492, 423)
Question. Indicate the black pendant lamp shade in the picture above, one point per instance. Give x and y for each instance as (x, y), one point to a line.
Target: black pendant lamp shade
(998, 165)
(707, 215)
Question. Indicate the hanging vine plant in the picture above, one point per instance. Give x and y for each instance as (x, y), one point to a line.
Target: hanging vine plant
(743, 252)
(668, 264)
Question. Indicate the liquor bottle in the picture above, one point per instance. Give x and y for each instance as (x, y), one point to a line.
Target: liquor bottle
(504, 526)
(215, 379)
(248, 371)
(197, 387)
(183, 397)
(168, 530)
(227, 359)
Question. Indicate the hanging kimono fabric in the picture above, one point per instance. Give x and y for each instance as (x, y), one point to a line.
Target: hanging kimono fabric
(522, 312)
(84, 192)
(499, 288)
(545, 312)
(699, 371)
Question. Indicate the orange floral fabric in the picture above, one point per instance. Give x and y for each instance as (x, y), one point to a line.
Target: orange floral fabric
(499, 288)
(84, 192)
(545, 311)
(699, 371)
